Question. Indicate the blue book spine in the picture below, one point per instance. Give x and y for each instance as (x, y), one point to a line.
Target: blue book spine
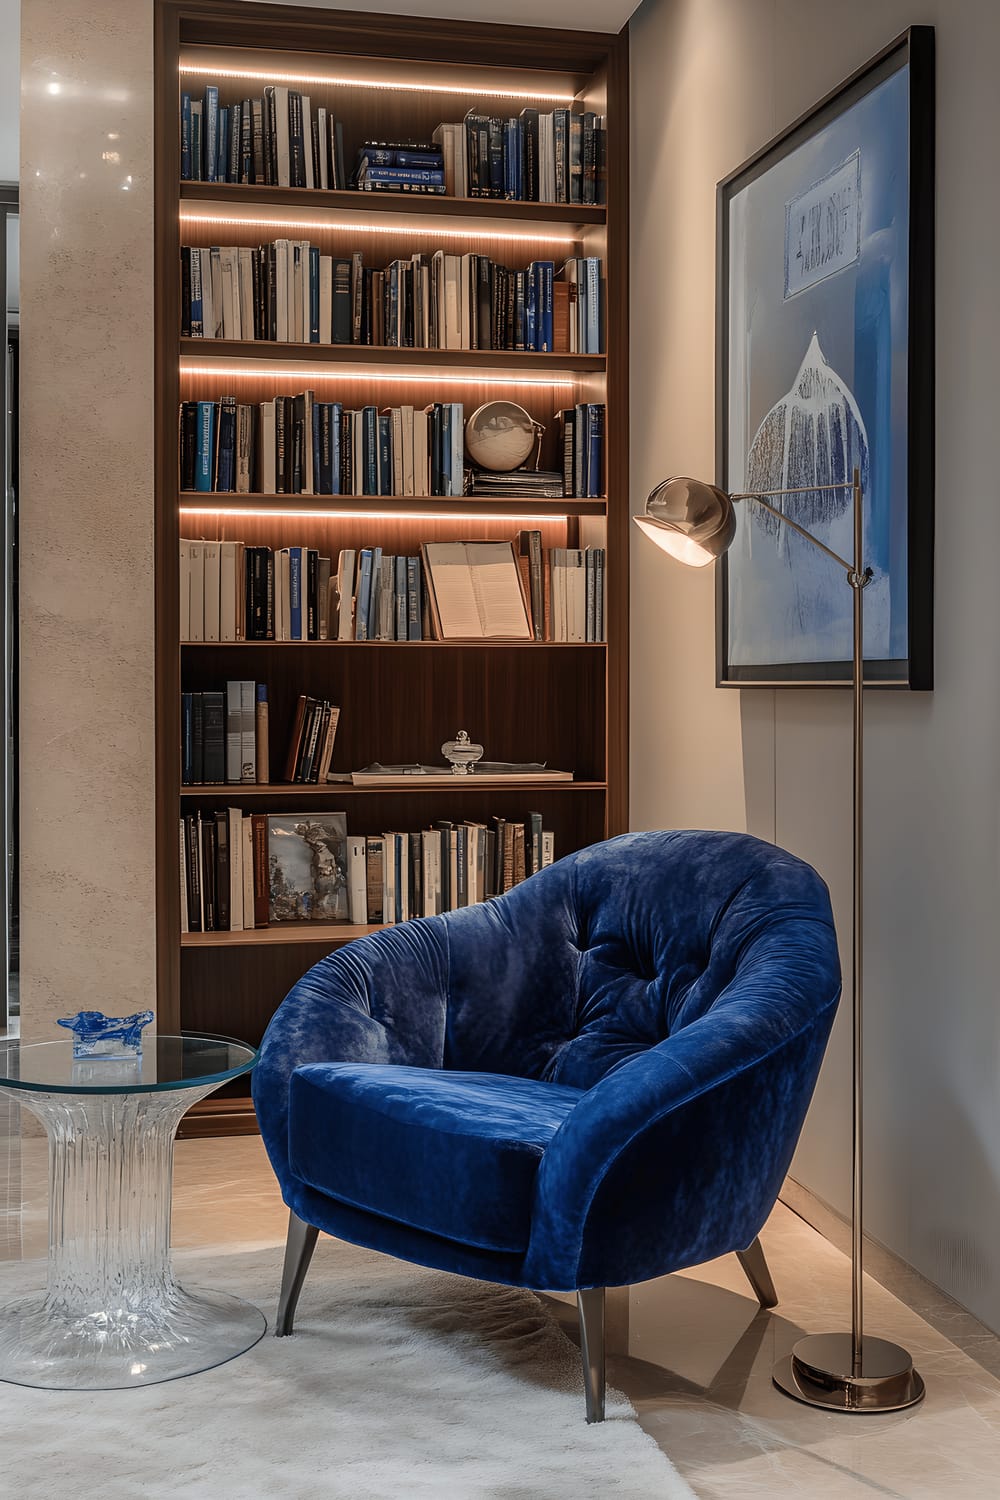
(434, 175)
(543, 315)
(510, 153)
(187, 739)
(226, 466)
(369, 450)
(595, 457)
(210, 131)
(400, 600)
(222, 161)
(317, 454)
(385, 455)
(204, 455)
(373, 597)
(295, 592)
(414, 600)
(314, 294)
(381, 156)
(336, 410)
(185, 137)
(363, 596)
(519, 162)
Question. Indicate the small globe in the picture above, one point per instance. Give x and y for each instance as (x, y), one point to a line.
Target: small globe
(500, 436)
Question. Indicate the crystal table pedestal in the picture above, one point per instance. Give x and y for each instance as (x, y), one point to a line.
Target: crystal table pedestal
(114, 1314)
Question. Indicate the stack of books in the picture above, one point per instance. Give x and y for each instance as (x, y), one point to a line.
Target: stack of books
(242, 871)
(399, 167)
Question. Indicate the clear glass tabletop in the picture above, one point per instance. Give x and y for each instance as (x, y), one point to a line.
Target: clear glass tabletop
(166, 1062)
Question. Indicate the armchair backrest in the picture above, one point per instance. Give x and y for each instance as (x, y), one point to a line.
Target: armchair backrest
(621, 945)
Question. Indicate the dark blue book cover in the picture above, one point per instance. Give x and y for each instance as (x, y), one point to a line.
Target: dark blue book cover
(400, 593)
(404, 174)
(530, 286)
(363, 599)
(313, 294)
(510, 161)
(210, 131)
(414, 600)
(545, 272)
(246, 141)
(434, 426)
(595, 457)
(206, 445)
(226, 468)
(235, 135)
(385, 455)
(185, 137)
(295, 592)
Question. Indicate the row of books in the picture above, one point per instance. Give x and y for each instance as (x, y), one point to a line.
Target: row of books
(536, 156)
(289, 292)
(230, 591)
(278, 140)
(281, 139)
(296, 445)
(224, 735)
(239, 871)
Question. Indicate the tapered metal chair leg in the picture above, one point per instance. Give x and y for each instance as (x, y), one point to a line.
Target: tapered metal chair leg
(755, 1269)
(299, 1246)
(591, 1308)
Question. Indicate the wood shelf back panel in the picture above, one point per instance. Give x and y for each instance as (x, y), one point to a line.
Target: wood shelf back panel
(399, 705)
(330, 534)
(396, 240)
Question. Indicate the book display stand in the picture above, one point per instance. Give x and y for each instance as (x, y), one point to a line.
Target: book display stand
(553, 702)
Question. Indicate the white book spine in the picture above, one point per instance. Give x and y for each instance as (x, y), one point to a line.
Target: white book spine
(236, 856)
(228, 591)
(234, 738)
(248, 732)
(212, 585)
(196, 555)
(357, 881)
(326, 298)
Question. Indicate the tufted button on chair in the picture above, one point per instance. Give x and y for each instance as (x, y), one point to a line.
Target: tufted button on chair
(595, 1079)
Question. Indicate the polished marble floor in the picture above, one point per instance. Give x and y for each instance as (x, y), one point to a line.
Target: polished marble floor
(700, 1351)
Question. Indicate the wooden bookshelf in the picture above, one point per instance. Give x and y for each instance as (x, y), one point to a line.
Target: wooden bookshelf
(558, 702)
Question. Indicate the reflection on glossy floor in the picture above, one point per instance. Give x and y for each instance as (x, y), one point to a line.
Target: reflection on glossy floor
(700, 1351)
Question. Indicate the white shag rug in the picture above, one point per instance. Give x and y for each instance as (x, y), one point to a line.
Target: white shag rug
(399, 1384)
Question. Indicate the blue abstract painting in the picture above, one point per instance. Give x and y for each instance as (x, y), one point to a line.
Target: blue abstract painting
(818, 294)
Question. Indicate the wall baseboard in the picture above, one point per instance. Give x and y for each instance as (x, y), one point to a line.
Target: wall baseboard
(928, 1301)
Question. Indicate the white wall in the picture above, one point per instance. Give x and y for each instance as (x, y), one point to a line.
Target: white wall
(711, 81)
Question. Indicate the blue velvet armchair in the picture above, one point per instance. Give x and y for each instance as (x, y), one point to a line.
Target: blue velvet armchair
(595, 1079)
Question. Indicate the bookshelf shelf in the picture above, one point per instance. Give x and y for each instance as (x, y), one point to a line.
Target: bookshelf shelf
(333, 791)
(325, 934)
(198, 355)
(233, 195)
(428, 507)
(564, 703)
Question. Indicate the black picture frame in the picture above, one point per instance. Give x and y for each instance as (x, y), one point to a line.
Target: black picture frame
(911, 500)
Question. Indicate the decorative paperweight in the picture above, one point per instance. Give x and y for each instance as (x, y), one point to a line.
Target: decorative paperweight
(461, 754)
(98, 1035)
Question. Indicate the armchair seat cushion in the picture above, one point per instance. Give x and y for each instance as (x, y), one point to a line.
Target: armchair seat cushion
(451, 1153)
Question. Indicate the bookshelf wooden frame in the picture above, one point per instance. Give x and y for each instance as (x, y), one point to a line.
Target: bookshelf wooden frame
(227, 977)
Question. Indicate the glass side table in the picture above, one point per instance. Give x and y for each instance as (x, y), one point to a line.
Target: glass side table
(114, 1314)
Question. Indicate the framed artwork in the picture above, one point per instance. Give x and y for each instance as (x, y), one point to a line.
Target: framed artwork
(825, 361)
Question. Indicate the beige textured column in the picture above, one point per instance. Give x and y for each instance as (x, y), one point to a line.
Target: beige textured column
(86, 720)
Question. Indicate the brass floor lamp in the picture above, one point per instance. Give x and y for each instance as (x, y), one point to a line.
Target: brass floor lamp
(695, 522)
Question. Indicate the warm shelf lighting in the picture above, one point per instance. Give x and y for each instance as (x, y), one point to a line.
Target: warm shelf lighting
(431, 377)
(257, 513)
(394, 84)
(422, 232)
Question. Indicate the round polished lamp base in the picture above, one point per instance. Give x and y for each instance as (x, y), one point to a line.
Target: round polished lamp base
(819, 1372)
